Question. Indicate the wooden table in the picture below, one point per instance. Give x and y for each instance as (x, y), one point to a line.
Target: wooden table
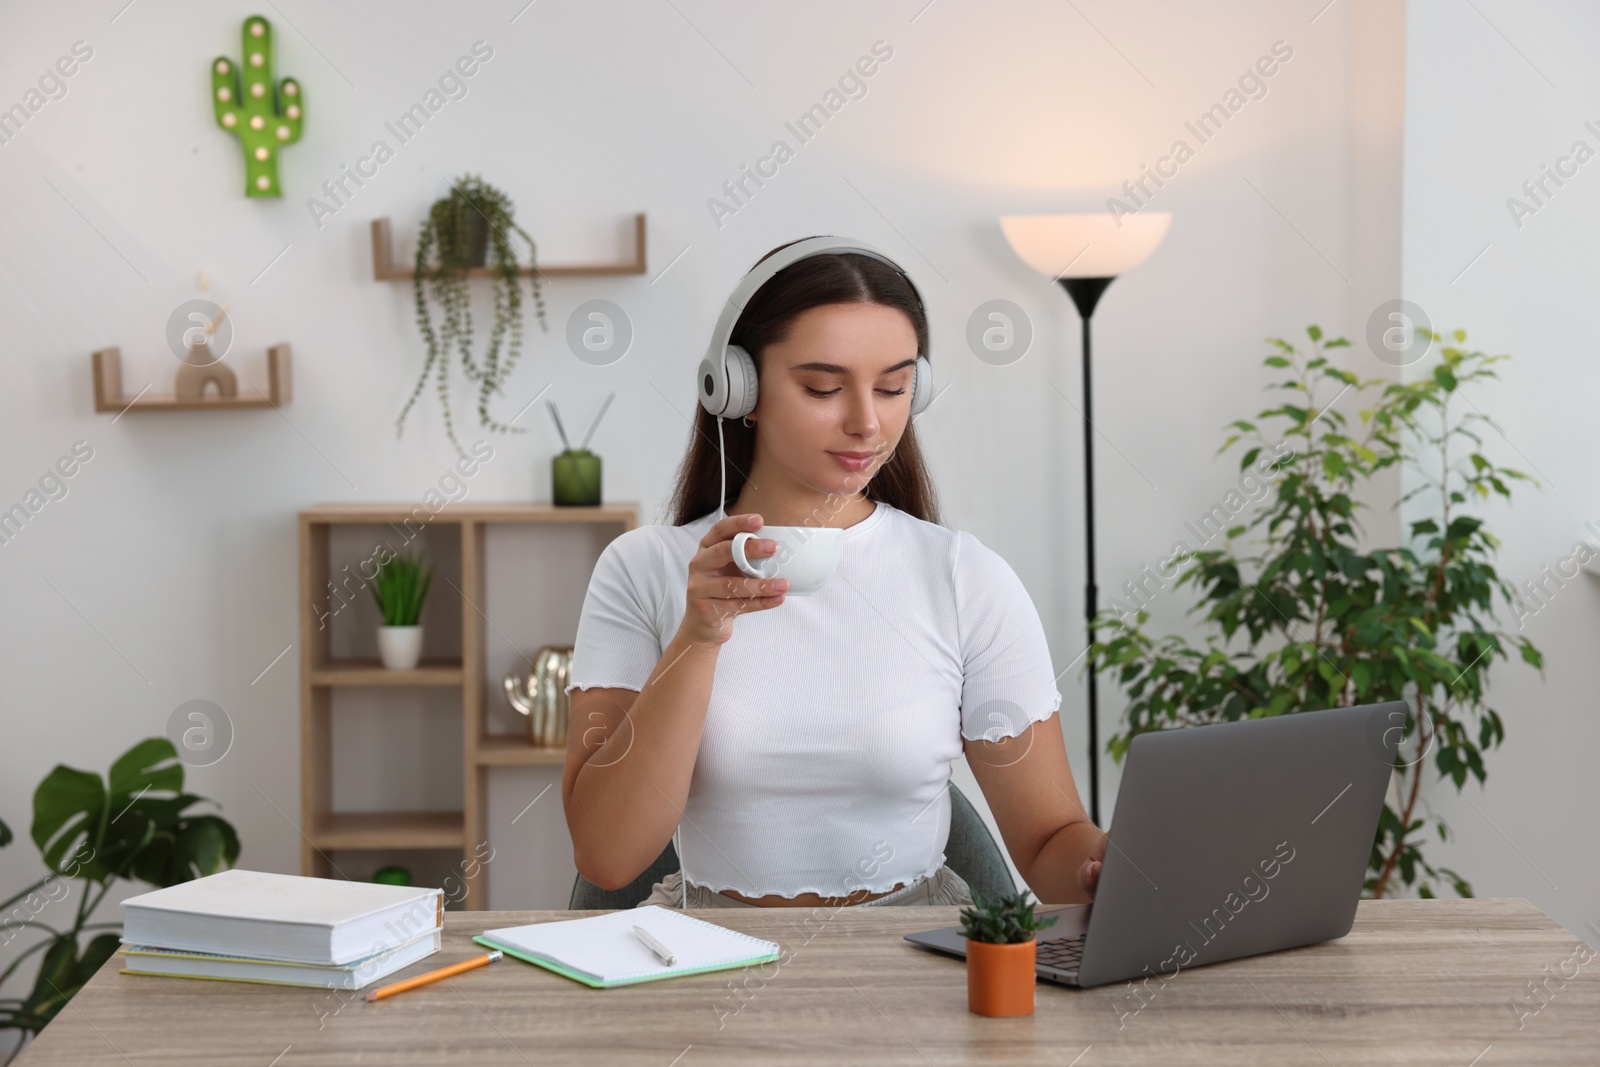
(1415, 982)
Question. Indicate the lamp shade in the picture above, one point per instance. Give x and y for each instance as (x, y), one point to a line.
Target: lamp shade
(1096, 245)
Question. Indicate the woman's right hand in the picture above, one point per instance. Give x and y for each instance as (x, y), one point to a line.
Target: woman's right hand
(718, 590)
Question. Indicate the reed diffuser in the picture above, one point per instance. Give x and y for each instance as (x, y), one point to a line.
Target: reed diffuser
(575, 472)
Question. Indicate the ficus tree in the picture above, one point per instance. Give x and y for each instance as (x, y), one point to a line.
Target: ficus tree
(1299, 615)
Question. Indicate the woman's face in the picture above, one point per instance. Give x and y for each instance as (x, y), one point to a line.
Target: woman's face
(840, 383)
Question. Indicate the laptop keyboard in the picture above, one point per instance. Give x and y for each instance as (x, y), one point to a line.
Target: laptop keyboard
(1062, 953)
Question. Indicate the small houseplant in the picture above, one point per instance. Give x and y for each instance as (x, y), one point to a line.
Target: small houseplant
(1001, 953)
(472, 225)
(133, 824)
(400, 587)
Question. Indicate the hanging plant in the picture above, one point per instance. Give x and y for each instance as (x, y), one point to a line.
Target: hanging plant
(472, 227)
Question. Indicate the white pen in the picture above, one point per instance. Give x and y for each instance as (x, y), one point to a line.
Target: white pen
(662, 952)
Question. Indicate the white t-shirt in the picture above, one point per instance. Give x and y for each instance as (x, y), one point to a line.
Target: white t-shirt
(834, 717)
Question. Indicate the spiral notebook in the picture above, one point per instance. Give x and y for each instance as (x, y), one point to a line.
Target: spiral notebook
(603, 951)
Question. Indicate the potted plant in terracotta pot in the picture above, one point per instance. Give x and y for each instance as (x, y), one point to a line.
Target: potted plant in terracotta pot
(400, 587)
(1000, 953)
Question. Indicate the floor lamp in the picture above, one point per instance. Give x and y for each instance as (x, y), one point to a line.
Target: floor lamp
(1086, 253)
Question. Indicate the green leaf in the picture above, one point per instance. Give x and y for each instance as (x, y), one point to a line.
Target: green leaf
(150, 765)
(1361, 675)
(400, 587)
(66, 796)
(1276, 361)
(102, 948)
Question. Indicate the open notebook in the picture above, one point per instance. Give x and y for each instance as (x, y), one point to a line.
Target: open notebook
(603, 951)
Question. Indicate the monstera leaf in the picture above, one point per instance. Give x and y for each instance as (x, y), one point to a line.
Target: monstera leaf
(135, 823)
(134, 827)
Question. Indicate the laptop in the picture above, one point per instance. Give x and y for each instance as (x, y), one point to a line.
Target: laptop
(1228, 840)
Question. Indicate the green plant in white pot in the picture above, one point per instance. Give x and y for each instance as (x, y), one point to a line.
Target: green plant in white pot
(400, 587)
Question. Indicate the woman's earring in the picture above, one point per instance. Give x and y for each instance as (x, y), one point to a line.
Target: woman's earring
(747, 422)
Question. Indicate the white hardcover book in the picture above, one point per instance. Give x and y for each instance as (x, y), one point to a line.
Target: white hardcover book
(177, 963)
(282, 917)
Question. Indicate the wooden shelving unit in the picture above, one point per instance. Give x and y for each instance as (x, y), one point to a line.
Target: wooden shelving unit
(323, 677)
(372, 672)
(108, 391)
(390, 829)
(385, 270)
(515, 752)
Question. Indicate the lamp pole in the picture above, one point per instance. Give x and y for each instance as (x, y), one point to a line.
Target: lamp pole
(1085, 293)
(1097, 248)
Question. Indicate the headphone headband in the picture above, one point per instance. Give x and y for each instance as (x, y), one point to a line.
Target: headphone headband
(764, 271)
(729, 391)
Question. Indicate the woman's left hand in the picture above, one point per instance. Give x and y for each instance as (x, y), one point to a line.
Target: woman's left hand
(1089, 873)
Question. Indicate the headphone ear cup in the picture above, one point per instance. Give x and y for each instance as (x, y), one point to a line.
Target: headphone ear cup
(921, 386)
(712, 387)
(742, 383)
(730, 394)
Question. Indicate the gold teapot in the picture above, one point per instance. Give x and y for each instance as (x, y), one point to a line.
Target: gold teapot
(542, 695)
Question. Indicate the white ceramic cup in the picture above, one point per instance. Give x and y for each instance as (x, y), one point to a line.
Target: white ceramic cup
(806, 555)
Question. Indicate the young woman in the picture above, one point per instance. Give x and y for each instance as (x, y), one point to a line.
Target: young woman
(800, 749)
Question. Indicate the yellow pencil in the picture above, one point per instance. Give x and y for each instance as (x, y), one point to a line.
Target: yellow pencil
(434, 976)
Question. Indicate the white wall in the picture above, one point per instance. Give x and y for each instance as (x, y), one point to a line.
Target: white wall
(1490, 98)
(173, 557)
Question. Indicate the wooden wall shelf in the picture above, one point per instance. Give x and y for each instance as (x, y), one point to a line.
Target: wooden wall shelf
(322, 677)
(385, 270)
(108, 394)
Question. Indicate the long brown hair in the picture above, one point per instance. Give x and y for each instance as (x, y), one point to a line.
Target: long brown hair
(831, 278)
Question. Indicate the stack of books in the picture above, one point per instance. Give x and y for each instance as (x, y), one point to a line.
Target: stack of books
(251, 926)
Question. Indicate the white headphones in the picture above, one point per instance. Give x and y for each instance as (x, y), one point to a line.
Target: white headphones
(727, 376)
